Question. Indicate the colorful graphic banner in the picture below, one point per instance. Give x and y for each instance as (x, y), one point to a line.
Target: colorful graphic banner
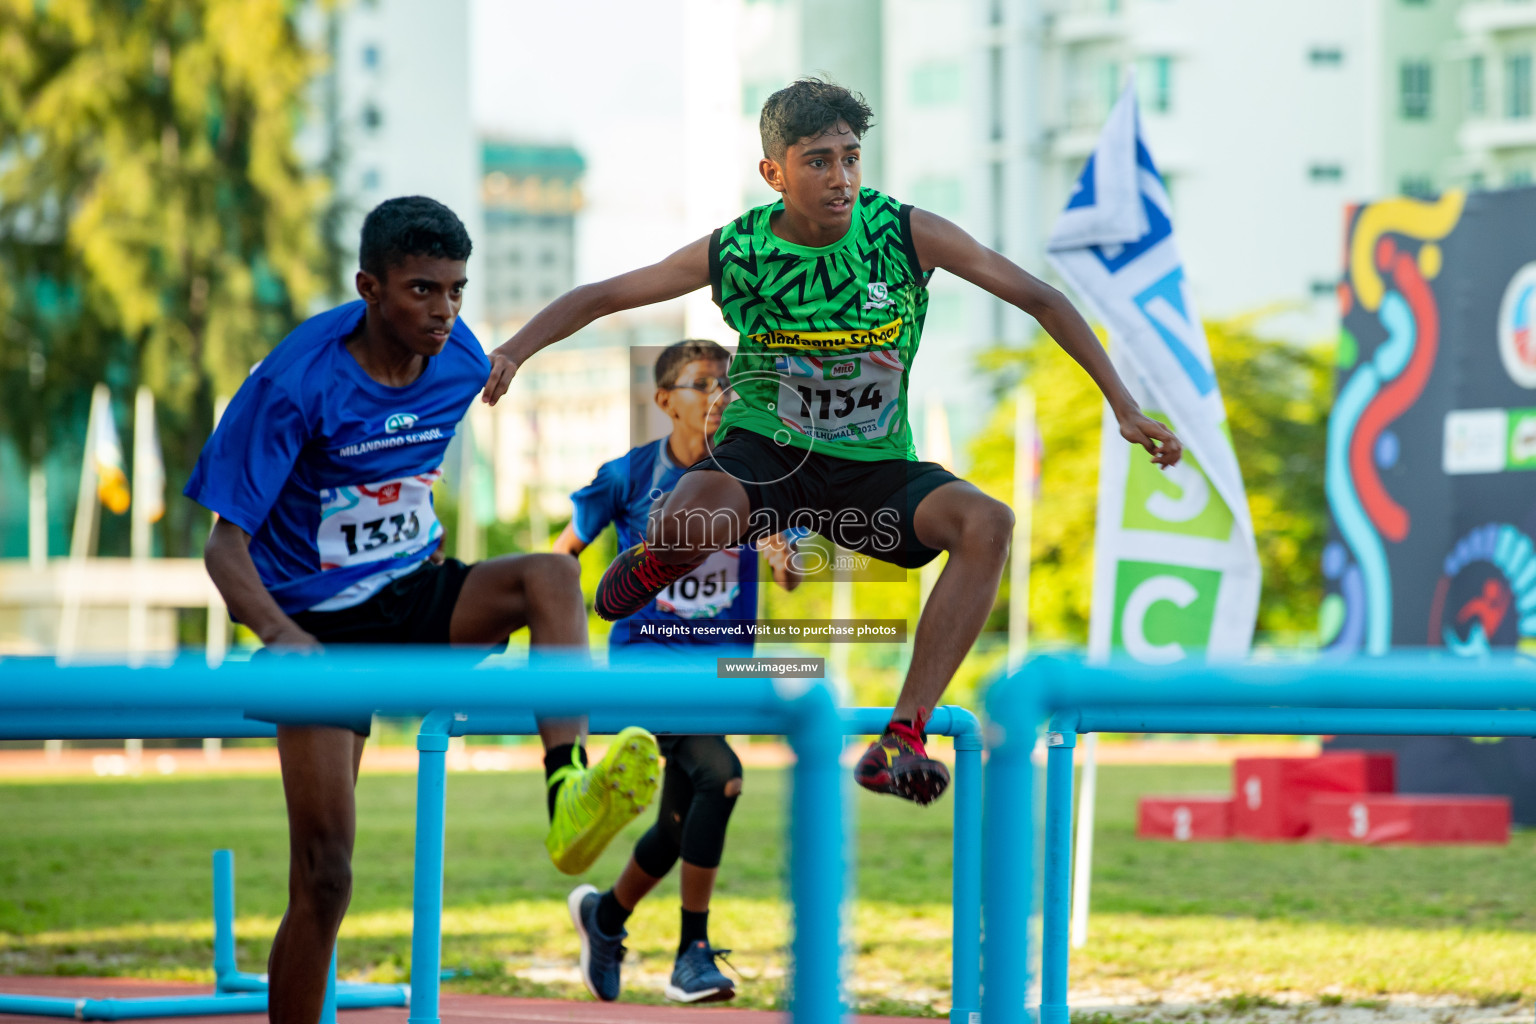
(1432, 437)
(1176, 571)
(1431, 448)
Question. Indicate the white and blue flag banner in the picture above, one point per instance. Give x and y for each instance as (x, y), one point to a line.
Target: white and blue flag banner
(1176, 571)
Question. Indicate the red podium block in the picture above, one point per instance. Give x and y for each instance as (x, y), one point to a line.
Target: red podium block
(1181, 818)
(1272, 793)
(1370, 818)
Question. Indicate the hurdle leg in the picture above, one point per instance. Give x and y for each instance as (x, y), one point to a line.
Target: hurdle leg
(431, 820)
(965, 981)
(328, 1008)
(224, 965)
(1008, 861)
(1058, 878)
(227, 976)
(816, 867)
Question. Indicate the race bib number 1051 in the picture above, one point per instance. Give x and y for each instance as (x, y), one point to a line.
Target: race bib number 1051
(374, 522)
(706, 591)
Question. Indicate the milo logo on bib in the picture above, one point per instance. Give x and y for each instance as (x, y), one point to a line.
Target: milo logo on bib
(843, 369)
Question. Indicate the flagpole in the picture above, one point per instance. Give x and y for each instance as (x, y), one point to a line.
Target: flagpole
(538, 522)
(143, 473)
(842, 608)
(36, 618)
(1023, 527)
(467, 548)
(1082, 868)
(936, 448)
(85, 508)
(37, 517)
(85, 528)
(139, 539)
(218, 619)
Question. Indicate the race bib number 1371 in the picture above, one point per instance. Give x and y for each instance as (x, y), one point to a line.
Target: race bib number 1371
(374, 522)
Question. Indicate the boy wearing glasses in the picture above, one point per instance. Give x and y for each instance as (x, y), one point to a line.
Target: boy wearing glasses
(704, 611)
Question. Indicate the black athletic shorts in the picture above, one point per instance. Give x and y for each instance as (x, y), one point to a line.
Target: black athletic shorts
(671, 747)
(866, 507)
(416, 608)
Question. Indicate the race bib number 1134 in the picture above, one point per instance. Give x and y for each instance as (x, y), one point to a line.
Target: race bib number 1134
(841, 398)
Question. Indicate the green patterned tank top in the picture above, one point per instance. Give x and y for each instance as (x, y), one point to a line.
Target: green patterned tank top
(827, 335)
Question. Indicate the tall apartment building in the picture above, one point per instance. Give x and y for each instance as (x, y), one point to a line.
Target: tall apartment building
(1267, 118)
(1497, 137)
(394, 114)
(526, 257)
(574, 407)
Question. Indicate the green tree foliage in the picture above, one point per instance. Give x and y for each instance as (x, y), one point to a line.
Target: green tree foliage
(1277, 397)
(156, 224)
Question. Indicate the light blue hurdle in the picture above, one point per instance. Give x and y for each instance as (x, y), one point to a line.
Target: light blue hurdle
(948, 720)
(234, 990)
(1396, 696)
(448, 687)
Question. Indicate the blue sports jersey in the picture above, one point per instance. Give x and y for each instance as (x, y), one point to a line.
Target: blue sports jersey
(722, 590)
(328, 470)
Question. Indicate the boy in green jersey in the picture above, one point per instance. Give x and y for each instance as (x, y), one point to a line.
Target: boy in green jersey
(827, 288)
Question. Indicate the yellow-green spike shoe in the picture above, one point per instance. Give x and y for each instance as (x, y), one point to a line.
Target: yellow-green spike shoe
(594, 804)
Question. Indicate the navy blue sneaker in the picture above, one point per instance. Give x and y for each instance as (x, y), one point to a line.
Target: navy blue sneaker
(696, 979)
(600, 954)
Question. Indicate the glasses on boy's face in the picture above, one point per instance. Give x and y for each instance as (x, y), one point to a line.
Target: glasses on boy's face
(704, 384)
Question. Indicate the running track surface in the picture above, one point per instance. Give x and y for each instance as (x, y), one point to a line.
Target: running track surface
(456, 1009)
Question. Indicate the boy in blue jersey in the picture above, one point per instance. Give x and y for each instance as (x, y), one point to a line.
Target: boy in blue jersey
(705, 611)
(321, 476)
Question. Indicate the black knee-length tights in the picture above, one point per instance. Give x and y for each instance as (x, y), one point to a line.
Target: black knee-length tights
(698, 793)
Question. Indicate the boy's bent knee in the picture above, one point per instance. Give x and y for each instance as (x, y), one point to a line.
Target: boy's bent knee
(712, 766)
(988, 525)
(555, 572)
(326, 880)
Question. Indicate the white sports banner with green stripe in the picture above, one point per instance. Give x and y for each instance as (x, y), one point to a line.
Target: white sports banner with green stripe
(1176, 570)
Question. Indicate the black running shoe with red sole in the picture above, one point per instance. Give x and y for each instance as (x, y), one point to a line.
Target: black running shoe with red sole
(898, 764)
(633, 581)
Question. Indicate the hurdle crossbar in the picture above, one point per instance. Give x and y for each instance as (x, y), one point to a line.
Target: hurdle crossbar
(1401, 695)
(440, 685)
(948, 720)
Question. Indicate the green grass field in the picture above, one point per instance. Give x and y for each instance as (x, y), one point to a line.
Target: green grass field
(112, 877)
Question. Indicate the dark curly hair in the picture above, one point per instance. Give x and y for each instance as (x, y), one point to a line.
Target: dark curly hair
(807, 108)
(680, 353)
(410, 226)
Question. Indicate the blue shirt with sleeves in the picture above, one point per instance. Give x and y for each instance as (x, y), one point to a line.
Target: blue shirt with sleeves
(331, 472)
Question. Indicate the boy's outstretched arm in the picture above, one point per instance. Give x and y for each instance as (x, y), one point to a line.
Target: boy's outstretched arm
(678, 274)
(943, 245)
